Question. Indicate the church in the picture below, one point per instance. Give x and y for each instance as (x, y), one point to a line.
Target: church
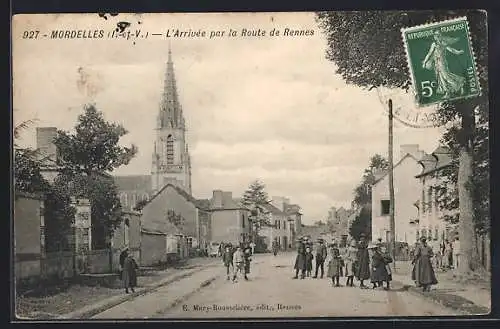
(170, 161)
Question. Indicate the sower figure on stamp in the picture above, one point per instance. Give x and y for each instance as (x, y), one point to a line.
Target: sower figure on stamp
(129, 273)
(227, 259)
(321, 255)
(300, 261)
(363, 264)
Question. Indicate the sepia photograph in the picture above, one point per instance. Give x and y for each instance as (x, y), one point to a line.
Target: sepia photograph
(276, 165)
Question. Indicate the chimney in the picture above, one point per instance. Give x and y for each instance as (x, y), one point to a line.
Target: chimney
(412, 149)
(45, 143)
(217, 199)
(227, 199)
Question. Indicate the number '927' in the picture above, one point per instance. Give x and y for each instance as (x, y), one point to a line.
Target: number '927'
(31, 34)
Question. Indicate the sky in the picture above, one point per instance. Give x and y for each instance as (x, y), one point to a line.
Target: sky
(268, 108)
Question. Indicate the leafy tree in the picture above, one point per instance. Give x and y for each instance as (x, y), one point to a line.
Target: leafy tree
(256, 198)
(362, 193)
(368, 51)
(86, 156)
(362, 223)
(27, 174)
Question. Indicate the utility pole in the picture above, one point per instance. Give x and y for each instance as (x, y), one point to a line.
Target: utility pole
(392, 242)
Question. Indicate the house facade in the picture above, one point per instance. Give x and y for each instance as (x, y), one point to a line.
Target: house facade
(406, 192)
(229, 219)
(279, 230)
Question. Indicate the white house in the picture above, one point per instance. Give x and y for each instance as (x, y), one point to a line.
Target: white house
(279, 230)
(406, 192)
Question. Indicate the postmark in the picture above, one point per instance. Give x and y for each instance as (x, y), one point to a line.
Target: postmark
(441, 61)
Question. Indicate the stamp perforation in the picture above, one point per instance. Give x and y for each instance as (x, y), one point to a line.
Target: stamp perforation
(405, 30)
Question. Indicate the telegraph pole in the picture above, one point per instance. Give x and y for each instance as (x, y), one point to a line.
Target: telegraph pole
(392, 242)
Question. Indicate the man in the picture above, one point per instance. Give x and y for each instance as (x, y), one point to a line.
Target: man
(363, 257)
(227, 258)
(321, 254)
(239, 263)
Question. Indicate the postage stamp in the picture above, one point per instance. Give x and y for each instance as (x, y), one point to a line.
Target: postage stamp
(441, 61)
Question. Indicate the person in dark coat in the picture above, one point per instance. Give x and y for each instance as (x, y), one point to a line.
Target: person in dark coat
(363, 261)
(247, 253)
(379, 272)
(309, 261)
(123, 255)
(321, 254)
(423, 273)
(227, 259)
(300, 261)
(335, 266)
(129, 273)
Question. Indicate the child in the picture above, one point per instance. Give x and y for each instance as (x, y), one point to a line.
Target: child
(227, 259)
(334, 266)
(309, 261)
(238, 262)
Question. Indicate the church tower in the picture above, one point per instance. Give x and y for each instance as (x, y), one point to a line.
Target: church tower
(171, 162)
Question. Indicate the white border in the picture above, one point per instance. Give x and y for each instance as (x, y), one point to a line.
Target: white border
(410, 68)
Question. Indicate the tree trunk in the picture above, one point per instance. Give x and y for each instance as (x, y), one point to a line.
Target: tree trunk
(466, 207)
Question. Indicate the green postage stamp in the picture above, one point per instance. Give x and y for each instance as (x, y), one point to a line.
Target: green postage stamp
(441, 61)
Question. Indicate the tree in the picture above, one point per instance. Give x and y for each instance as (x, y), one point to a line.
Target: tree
(319, 223)
(362, 193)
(140, 205)
(27, 175)
(86, 156)
(368, 51)
(362, 223)
(255, 198)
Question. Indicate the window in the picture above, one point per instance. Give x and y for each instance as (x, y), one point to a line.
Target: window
(385, 207)
(284, 226)
(170, 150)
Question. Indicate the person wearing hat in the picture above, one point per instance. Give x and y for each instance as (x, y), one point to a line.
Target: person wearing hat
(363, 261)
(379, 272)
(335, 266)
(423, 273)
(321, 254)
(300, 261)
(350, 261)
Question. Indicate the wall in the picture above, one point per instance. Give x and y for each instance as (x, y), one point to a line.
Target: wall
(227, 225)
(153, 249)
(170, 199)
(27, 236)
(134, 238)
(406, 193)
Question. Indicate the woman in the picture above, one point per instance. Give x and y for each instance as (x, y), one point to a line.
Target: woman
(363, 261)
(129, 273)
(448, 83)
(379, 272)
(423, 273)
(350, 262)
(300, 261)
(335, 266)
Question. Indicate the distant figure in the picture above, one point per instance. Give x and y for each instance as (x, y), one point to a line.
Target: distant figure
(363, 258)
(129, 273)
(321, 254)
(239, 263)
(300, 261)
(379, 270)
(350, 261)
(448, 255)
(423, 273)
(275, 247)
(227, 259)
(456, 252)
(309, 261)
(123, 255)
(252, 245)
(335, 266)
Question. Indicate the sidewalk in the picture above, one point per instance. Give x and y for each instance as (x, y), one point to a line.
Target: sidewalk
(77, 301)
(466, 298)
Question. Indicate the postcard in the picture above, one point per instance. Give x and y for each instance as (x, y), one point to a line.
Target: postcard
(271, 165)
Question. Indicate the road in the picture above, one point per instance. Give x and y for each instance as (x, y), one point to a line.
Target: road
(271, 292)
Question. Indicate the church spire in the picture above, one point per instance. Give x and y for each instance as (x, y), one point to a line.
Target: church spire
(170, 110)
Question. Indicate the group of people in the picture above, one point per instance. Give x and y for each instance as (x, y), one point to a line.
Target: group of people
(352, 261)
(237, 260)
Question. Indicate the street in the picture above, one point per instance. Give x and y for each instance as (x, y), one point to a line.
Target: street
(270, 292)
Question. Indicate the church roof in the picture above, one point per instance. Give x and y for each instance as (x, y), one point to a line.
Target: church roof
(133, 182)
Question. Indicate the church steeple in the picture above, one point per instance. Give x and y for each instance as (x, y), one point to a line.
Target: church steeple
(170, 115)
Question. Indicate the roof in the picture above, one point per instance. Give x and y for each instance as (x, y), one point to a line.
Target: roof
(203, 204)
(439, 159)
(408, 155)
(292, 209)
(133, 182)
(233, 204)
(179, 190)
(274, 210)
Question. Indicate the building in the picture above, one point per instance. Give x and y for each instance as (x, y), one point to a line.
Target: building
(430, 221)
(279, 229)
(127, 235)
(229, 219)
(170, 161)
(338, 223)
(294, 216)
(406, 191)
